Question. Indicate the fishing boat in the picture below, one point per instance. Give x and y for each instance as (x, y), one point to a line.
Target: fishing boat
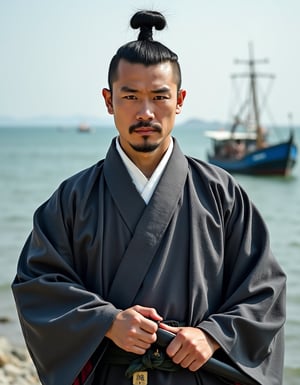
(244, 147)
(84, 128)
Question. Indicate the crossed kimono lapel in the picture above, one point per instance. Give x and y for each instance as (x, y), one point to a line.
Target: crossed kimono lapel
(148, 223)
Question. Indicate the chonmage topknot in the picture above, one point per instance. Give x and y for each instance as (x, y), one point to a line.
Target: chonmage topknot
(146, 20)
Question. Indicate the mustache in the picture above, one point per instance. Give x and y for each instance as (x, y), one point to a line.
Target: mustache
(155, 126)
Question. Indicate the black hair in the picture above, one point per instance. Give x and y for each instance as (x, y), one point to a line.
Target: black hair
(145, 50)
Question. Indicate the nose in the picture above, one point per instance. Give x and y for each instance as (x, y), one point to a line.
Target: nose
(145, 111)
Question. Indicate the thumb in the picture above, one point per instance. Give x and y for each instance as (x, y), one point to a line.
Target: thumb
(172, 329)
(148, 312)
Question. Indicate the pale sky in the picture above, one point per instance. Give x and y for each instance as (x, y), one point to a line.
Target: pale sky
(55, 53)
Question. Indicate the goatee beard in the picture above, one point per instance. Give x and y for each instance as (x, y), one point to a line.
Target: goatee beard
(145, 147)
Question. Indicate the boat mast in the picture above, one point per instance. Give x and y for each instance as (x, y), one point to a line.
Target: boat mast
(252, 74)
(253, 92)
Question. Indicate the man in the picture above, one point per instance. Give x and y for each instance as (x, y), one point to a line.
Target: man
(149, 240)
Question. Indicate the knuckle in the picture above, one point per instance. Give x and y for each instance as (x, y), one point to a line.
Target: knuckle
(184, 365)
(131, 333)
(127, 347)
(193, 368)
(176, 360)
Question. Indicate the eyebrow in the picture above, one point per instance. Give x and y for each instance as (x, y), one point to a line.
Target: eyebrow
(128, 89)
(161, 90)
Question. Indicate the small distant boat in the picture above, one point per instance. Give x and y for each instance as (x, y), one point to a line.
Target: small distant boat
(84, 128)
(244, 148)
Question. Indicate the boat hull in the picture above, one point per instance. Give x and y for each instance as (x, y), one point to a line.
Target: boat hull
(277, 159)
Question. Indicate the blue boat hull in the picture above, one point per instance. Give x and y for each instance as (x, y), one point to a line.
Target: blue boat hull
(277, 159)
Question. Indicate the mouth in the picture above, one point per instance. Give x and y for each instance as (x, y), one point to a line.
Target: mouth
(143, 128)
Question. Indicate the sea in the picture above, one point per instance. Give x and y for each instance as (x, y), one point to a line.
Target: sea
(35, 160)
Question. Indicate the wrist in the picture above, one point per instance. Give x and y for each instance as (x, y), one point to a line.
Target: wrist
(213, 344)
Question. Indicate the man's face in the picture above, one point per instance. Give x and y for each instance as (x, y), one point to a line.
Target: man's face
(144, 102)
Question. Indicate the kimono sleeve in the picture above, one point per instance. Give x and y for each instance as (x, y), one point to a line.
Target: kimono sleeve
(249, 323)
(63, 323)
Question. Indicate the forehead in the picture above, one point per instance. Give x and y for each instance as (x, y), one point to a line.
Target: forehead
(138, 75)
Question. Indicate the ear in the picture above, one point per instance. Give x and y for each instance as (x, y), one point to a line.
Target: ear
(180, 99)
(106, 93)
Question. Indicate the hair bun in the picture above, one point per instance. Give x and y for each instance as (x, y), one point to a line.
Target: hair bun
(146, 20)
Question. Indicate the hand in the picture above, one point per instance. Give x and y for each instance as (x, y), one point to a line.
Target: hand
(133, 329)
(191, 348)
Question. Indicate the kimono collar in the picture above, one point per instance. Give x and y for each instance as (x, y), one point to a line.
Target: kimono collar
(144, 185)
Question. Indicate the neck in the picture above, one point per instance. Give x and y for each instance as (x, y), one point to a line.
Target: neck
(147, 161)
(147, 165)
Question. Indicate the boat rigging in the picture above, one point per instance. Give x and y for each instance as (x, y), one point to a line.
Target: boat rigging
(245, 148)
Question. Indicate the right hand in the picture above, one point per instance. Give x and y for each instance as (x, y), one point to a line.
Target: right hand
(134, 329)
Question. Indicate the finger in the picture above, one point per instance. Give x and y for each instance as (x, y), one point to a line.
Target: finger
(187, 359)
(186, 362)
(142, 345)
(171, 329)
(147, 337)
(148, 312)
(195, 365)
(174, 348)
(137, 343)
(137, 349)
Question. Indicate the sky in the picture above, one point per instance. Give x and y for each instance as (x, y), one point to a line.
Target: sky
(55, 53)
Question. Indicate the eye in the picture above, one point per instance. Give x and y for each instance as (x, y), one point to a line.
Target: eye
(160, 97)
(129, 97)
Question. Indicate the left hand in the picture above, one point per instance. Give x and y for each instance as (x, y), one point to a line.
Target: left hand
(191, 348)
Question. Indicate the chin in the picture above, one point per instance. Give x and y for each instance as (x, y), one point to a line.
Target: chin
(145, 147)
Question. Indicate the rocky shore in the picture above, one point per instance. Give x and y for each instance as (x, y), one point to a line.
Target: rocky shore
(16, 367)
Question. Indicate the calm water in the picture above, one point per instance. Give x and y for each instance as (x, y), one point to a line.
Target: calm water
(34, 161)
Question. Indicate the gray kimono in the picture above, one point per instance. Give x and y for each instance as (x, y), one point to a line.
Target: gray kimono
(198, 252)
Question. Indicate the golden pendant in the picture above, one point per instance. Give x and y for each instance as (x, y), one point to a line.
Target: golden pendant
(140, 378)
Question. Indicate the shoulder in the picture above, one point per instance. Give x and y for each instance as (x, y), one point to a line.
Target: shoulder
(214, 184)
(84, 179)
(77, 188)
(210, 174)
